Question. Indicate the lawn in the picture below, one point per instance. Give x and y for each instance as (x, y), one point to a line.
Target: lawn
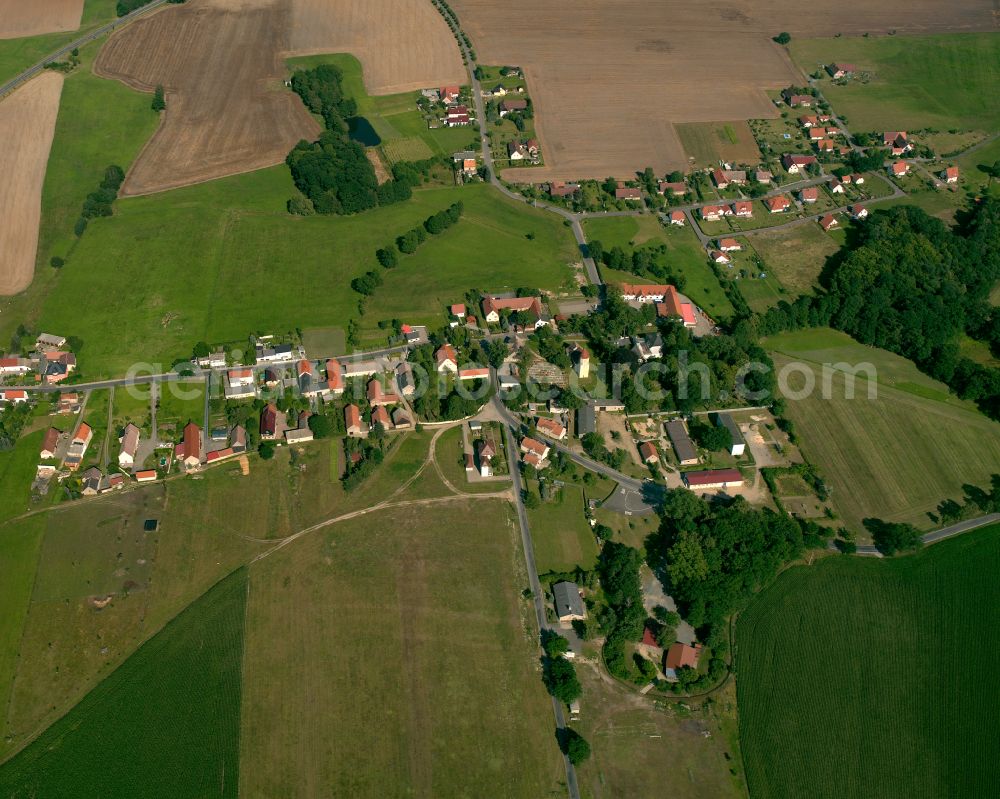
(711, 142)
(181, 402)
(132, 405)
(171, 710)
(894, 457)
(409, 671)
(888, 692)
(450, 456)
(561, 535)
(684, 254)
(795, 256)
(938, 81)
(17, 470)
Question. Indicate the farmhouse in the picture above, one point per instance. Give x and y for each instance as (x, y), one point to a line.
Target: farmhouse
(68, 403)
(828, 222)
(857, 211)
(793, 163)
(730, 245)
(145, 476)
(687, 454)
(47, 340)
(238, 436)
(282, 352)
(677, 218)
(559, 188)
(837, 71)
(532, 446)
(449, 94)
(130, 445)
(188, 452)
(808, 121)
(568, 602)
(380, 416)
(896, 141)
(825, 146)
(899, 169)
(743, 209)
(214, 360)
(14, 366)
(446, 359)
(272, 422)
(673, 306)
(681, 656)
(723, 178)
(466, 161)
(648, 452)
(405, 380)
(836, 186)
(738, 445)
(713, 478)
(677, 189)
(777, 205)
(624, 192)
(651, 292)
(401, 419)
(551, 428)
(809, 194)
(719, 257)
(353, 424)
(49, 444)
(763, 176)
(239, 383)
(796, 100)
(14, 395)
(457, 116)
(492, 306)
(950, 174)
(516, 104)
(334, 377)
(377, 395)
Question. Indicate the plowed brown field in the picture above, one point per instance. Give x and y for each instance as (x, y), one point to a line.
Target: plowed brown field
(22, 18)
(609, 78)
(27, 125)
(222, 64)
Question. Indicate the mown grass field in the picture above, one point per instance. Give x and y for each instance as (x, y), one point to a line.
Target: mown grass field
(861, 678)
(165, 724)
(894, 457)
(940, 81)
(711, 142)
(414, 662)
(795, 256)
(560, 533)
(685, 255)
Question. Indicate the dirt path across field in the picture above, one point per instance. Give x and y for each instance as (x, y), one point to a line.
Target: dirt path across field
(22, 18)
(27, 125)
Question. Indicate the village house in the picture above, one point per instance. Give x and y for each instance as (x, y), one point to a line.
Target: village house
(486, 451)
(551, 428)
(719, 257)
(897, 142)
(723, 178)
(492, 306)
(239, 383)
(334, 377)
(680, 656)
(380, 416)
(794, 163)
(404, 379)
(808, 121)
(449, 94)
(828, 222)
(14, 366)
(188, 452)
(516, 151)
(13, 396)
(446, 359)
(651, 292)
(69, 403)
(809, 194)
(238, 439)
(837, 71)
(630, 193)
(515, 104)
(282, 352)
(457, 310)
(401, 419)
(797, 100)
(743, 209)
(857, 211)
(684, 448)
(78, 446)
(763, 176)
(777, 205)
(648, 452)
(676, 189)
(90, 482)
(474, 373)
(145, 476)
(49, 444)
(214, 360)
(457, 116)
(836, 186)
(377, 395)
(355, 426)
(532, 446)
(272, 422)
(713, 478)
(568, 602)
(899, 169)
(825, 146)
(730, 245)
(673, 306)
(677, 218)
(950, 174)
(129, 446)
(559, 188)
(712, 213)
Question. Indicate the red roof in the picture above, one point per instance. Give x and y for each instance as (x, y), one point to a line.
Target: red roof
(50, 440)
(648, 638)
(713, 476)
(534, 445)
(219, 454)
(810, 193)
(648, 451)
(146, 474)
(83, 432)
(533, 304)
(334, 374)
(551, 427)
(645, 290)
(446, 352)
(680, 655)
(381, 416)
(777, 203)
(458, 309)
(192, 441)
(305, 367)
(269, 419)
(742, 207)
(352, 416)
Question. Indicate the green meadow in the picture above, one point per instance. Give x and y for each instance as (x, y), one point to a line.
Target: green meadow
(861, 677)
(941, 81)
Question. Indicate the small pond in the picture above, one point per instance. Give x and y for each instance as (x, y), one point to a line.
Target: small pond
(361, 131)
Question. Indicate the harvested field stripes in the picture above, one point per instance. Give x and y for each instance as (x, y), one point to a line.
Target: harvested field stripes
(18, 18)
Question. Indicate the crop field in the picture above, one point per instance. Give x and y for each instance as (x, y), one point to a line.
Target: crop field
(402, 44)
(710, 142)
(916, 81)
(406, 673)
(561, 535)
(19, 19)
(894, 457)
(27, 125)
(218, 64)
(796, 256)
(606, 98)
(172, 709)
(878, 670)
(685, 255)
(217, 261)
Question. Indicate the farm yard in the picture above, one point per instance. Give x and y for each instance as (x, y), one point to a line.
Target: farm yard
(446, 656)
(606, 98)
(27, 126)
(894, 457)
(842, 663)
(18, 19)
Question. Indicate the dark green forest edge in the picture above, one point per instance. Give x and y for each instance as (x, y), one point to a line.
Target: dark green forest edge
(333, 173)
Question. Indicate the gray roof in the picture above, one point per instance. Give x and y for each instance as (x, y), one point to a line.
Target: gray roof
(727, 421)
(679, 437)
(586, 419)
(568, 601)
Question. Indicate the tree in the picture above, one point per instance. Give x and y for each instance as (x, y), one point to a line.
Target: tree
(560, 679)
(892, 537)
(554, 644)
(321, 425)
(712, 437)
(57, 263)
(159, 101)
(387, 257)
(783, 38)
(531, 499)
(80, 227)
(300, 206)
(201, 350)
(574, 746)
(266, 450)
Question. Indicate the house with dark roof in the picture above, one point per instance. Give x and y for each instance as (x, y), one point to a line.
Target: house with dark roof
(568, 602)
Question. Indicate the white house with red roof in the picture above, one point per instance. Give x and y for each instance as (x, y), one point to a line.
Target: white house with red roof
(446, 359)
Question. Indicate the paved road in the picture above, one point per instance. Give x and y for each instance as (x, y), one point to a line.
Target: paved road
(935, 535)
(536, 587)
(28, 74)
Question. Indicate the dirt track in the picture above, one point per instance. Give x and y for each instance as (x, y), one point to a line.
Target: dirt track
(222, 65)
(21, 18)
(609, 79)
(27, 125)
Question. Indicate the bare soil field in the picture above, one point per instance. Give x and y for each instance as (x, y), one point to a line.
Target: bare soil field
(20, 18)
(221, 66)
(221, 63)
(27, 125)
(610, 79)
(402, 44)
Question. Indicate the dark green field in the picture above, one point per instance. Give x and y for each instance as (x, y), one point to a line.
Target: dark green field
(867, 678)
(165, 724)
